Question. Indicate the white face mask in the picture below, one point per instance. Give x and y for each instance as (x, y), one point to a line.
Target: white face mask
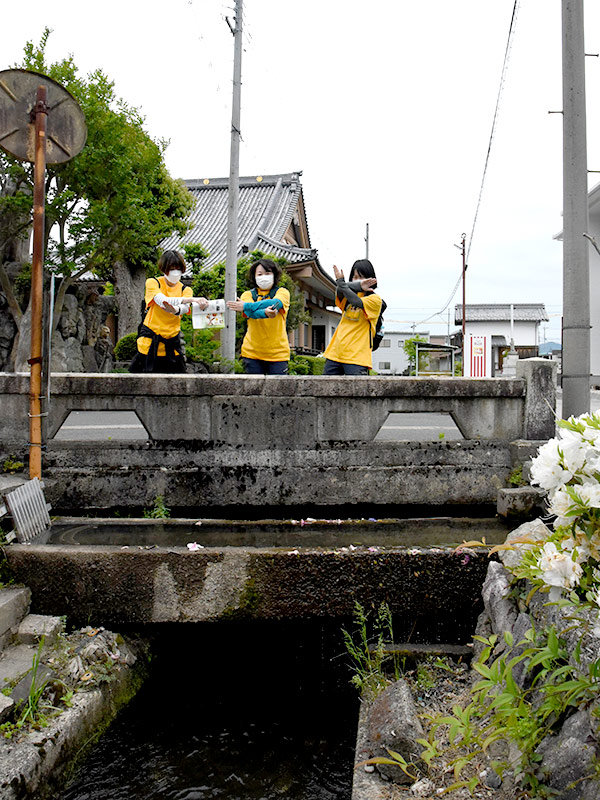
(174, 276)
(264, 281)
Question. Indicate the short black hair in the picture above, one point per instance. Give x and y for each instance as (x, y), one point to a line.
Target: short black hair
(364, 267)
(171, 259)
(269, 265)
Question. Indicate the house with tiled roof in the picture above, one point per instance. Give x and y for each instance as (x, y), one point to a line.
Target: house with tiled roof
(271, 218)
(502, 322)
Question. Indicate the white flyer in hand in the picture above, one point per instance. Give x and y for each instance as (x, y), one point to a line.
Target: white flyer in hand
(213, 316)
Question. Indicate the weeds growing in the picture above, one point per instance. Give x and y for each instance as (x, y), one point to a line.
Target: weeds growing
(370, 662)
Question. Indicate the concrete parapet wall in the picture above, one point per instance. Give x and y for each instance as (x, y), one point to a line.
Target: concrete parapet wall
(226, 408)
(239, 439)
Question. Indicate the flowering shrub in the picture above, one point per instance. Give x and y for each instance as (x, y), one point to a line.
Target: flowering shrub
(568, 467)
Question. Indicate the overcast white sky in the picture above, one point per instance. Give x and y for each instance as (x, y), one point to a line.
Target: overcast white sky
(386, 106)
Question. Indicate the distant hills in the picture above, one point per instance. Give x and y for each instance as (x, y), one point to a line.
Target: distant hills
(548, 347)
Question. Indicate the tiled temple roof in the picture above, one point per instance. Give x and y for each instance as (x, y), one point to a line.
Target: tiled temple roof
(267, 205)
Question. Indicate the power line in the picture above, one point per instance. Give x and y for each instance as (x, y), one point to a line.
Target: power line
(513, 21)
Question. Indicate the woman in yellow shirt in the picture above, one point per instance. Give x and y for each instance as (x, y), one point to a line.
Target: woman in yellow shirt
(349, 351)
(166, 299)
(265, 349)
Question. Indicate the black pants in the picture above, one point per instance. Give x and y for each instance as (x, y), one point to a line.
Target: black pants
(160, 364)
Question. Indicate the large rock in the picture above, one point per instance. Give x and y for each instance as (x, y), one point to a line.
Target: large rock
(570, 756)
(501, 609)
(69, 319)
(8, 331)
(393, 724)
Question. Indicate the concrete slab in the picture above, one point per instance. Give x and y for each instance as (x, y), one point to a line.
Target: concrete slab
(108, 585)
(14, 605)
(9, 482)
(15, 662)
(37, 626)
(6, 706)
(522, 502)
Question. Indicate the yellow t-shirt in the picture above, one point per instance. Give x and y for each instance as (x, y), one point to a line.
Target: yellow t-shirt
(157, 319)
(351, 342)
(266, 339)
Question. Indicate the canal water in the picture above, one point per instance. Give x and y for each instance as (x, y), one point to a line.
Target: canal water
(238, 711)
(304, 532)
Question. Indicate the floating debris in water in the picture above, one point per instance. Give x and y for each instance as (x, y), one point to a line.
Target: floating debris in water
(198, 523)
(194, 546)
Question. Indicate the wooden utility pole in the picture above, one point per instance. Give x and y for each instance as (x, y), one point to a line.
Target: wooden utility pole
(576, 284)
(228, 341)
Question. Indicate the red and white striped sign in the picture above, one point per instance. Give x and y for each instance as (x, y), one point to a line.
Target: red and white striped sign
(477, 355)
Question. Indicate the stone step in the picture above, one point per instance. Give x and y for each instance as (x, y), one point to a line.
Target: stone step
(34, 627)
(6, 706)
(14, 605)
(15, 662)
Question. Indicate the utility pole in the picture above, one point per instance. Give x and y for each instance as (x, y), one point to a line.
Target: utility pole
(228, 341)
(464, 297)
(367, 242)
(576, 285)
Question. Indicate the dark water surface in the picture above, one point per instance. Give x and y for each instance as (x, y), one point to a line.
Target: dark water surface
(239, 711)
(309, 532)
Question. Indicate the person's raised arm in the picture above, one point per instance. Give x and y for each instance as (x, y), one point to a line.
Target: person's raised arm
(348, 290)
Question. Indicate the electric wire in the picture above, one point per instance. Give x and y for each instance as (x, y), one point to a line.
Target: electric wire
(509, 41)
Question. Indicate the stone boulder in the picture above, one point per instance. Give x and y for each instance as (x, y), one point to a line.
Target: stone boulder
(393, 724)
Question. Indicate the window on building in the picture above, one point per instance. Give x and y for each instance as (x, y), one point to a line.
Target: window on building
(384, 365)
(385, 343)
(400, 342)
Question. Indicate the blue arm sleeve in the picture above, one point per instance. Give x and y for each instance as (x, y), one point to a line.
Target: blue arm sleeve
(257, 310)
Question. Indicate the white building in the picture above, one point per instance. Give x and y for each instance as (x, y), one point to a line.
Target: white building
(501, 322)
(390, 358)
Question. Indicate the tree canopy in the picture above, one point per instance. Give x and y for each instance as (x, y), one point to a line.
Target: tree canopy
(113, 203)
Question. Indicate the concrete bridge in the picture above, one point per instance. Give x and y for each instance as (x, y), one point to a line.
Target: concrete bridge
(242, 443)
(434, 593)
(229, 440)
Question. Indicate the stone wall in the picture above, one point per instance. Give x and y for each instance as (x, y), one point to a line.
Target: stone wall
(82, 341)
(568, 757)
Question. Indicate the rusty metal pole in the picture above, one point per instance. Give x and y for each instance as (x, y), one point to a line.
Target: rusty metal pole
(39, 115)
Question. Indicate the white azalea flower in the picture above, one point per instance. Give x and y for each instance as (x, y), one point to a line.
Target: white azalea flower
(546, 470)
(560, 504)
(574, 452)
(558, 568)
(589, 494)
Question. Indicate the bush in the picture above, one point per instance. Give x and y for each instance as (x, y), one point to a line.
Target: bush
(306, 365)
(126, 347)
(200, 345)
